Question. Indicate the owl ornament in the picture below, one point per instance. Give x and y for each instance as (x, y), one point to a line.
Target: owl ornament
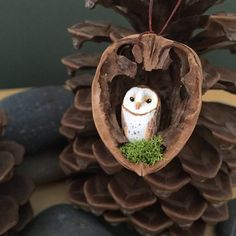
(125, 112)
(139, 113)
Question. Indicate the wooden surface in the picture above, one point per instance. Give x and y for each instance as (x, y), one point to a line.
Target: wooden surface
(48, 195)
(8, 92)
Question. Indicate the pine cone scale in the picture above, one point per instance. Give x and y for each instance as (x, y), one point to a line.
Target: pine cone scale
(83, 100)
(97, 194)
(18, 187)
(213, 215)
(184, 207)
(105, 159)
(9, 213)
(151, 220)
(132, 195)
(25, 215)
(7, 163)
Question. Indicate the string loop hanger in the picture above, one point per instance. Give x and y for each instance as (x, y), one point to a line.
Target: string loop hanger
(150, 16)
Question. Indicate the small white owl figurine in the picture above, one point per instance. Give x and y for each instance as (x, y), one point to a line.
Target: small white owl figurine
(139, 113)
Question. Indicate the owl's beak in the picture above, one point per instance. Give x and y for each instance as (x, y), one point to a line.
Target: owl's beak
(138, 105)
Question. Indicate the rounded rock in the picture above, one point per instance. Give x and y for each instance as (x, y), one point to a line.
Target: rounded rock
(33, 116)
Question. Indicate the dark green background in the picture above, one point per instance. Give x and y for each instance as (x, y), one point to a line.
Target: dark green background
(33, 38)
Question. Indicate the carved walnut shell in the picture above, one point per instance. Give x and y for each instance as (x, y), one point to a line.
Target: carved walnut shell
(170, 68)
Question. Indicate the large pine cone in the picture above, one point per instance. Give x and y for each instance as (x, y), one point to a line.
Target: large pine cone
(193, 189)
(15, 190)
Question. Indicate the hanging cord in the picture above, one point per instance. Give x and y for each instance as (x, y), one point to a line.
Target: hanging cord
(150, 18)
(150, 13)
(170, 17)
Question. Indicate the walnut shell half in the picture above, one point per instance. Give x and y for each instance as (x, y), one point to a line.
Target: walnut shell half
(170, 68)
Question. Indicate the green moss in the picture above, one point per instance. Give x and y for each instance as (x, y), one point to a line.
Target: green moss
(145, 151)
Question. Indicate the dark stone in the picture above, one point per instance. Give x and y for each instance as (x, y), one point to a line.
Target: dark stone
(34, 116)
(119, 230)
(64, 220)
(42, 167)
(228, 227)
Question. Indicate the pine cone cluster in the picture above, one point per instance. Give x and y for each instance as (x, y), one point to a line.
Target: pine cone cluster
(193, 189)
(15, 190)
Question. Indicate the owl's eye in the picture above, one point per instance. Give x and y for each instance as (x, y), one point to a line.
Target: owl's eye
(149, 100)
(131, 99)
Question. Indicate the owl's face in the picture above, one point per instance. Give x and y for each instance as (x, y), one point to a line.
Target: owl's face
(140, 100)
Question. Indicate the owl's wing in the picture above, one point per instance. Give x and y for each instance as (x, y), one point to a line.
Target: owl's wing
(123, 122)
(151, 127)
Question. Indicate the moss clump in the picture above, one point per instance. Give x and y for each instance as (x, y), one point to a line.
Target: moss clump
(145, 151)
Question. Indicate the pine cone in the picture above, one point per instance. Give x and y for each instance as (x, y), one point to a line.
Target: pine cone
(15, 190)
(193, 189)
